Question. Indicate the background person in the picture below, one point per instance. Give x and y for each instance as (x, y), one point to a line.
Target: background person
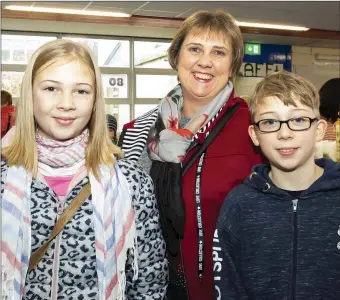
(112, 127)
(207, 53)
(330, 111)
(7, 112)
(113, 245)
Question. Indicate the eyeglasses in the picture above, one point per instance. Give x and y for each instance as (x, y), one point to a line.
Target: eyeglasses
(295, 124)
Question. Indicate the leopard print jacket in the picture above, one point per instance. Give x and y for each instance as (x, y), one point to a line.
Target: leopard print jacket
(76, 272)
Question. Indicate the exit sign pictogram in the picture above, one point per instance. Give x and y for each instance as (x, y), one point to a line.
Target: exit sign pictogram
(253, 49)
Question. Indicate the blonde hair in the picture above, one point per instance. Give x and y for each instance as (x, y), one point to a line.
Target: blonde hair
(287, 87)
(23, 150)
(218, 22)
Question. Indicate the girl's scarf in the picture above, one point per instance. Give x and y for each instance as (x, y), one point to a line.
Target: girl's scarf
(171, 143)
(113, 219)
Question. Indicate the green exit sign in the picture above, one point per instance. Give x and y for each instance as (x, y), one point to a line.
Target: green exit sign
(253, 49)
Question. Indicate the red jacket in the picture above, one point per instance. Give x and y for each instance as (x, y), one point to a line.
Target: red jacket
(7, 118)
(228, 161)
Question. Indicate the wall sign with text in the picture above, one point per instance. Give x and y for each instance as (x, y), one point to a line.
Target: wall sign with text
(115, 85)
(268, 59)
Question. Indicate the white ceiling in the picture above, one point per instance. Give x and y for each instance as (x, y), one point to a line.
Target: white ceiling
(312, 14)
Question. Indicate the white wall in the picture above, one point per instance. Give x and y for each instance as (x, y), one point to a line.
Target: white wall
(303, 64)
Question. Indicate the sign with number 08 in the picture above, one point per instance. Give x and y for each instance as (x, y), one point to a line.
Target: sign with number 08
(115, 86)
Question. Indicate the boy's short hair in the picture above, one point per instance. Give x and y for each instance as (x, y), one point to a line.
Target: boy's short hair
(289, 88)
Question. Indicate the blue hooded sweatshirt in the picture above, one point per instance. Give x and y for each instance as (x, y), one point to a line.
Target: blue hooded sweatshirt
(269, 245)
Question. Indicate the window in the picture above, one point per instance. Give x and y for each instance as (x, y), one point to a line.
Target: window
(149, 79)
(11, 82)
(121, 113)
(155, 86)
(18, 49)
(110, 53)
(141, 109)
(115, 85)
(151, 55)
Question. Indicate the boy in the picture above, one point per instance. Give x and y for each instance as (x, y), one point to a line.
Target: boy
(278, 234)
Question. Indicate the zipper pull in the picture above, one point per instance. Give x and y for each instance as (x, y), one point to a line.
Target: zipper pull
(60, 207)
(295, 204)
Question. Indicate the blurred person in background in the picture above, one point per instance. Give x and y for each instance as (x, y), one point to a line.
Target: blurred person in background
(111, 122)
(195, 145)
(330, 111)
(7, 112)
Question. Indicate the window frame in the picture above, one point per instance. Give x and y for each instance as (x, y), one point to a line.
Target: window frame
(131, 71)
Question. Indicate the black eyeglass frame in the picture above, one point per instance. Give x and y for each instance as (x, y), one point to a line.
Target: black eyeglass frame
(311, 121)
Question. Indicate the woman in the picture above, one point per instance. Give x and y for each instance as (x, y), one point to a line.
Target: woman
(192, 179)
(59, 175)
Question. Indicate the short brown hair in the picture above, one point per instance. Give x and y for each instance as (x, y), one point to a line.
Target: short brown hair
(288, 87)
(6, 98)
(219, 22)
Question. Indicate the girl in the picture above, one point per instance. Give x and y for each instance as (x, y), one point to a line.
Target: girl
(112, 246)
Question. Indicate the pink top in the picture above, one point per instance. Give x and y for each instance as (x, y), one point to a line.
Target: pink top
(59, 184)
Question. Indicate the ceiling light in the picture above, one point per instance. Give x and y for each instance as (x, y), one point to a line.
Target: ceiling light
(67, 11)
(272, 26)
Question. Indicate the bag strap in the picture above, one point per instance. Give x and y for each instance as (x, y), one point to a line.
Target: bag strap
(212, 135)
(66, 216)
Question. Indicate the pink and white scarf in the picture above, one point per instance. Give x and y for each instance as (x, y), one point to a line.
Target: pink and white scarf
(113, 218)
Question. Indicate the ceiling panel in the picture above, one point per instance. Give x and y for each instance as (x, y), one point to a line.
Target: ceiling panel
(301, 6)
(313, 14)
(122, 4)
(169, 6)
(110, 9)
(151, 13)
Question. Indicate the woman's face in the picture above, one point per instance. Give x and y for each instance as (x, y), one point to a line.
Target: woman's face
(63, 99)
(204, 65)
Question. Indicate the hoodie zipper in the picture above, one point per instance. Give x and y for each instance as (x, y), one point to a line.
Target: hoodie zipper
(293, 290)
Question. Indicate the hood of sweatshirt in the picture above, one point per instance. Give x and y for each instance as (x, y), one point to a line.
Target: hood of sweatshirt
(330, 180)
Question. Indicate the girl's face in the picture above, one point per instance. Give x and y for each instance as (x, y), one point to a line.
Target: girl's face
(63, 99)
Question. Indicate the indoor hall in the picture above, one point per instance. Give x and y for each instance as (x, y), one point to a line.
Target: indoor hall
(132, 49)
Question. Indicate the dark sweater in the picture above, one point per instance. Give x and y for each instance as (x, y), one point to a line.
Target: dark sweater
(270, 245)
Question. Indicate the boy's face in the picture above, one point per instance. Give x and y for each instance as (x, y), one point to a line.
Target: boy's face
(286, 149)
